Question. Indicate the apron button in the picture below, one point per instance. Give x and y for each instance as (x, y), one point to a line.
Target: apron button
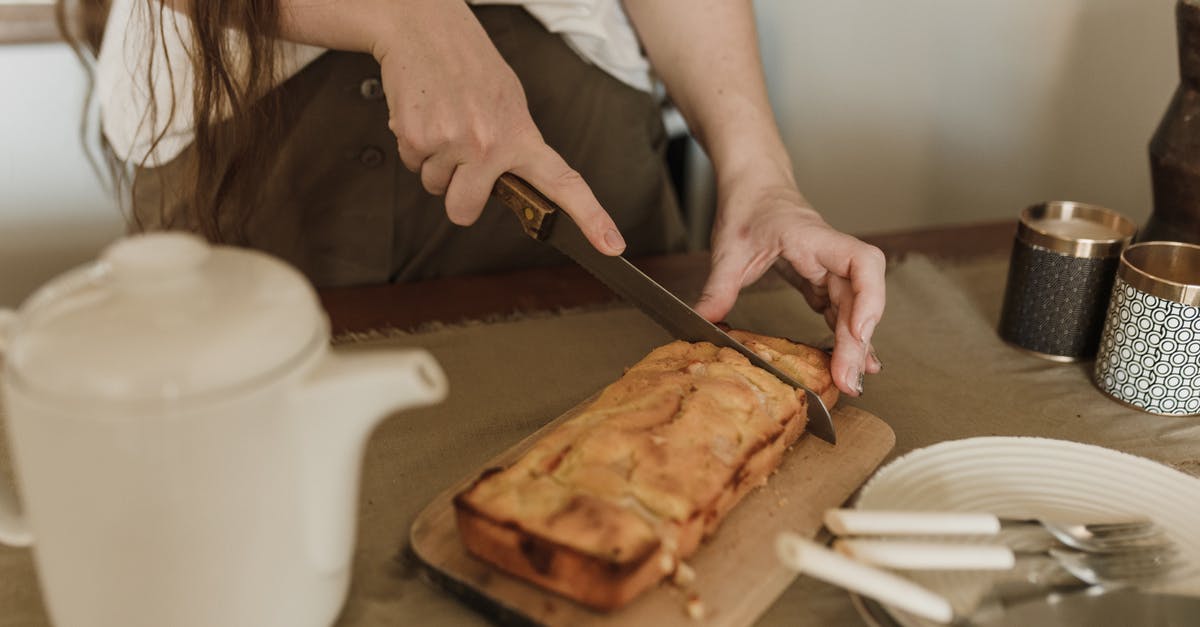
(371, 89)
(370, 157)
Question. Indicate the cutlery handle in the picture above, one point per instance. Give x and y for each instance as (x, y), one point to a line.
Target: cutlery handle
(913, 555)
(535, 211)
(812, 559)
(843, 522)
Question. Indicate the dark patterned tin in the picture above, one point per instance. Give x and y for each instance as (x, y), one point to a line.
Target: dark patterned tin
(1060, 277)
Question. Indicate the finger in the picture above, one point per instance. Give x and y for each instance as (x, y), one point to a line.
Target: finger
(468, 192)
(547, 172)
(874, 366)
(830, 312)
(846, 363)
(867, 280)
(722, 287)
(436, 173)
(845, 256)
(410, 156)
(815, 295)
(789, 274)
(864, 267)
(849, 354)
(831, 317)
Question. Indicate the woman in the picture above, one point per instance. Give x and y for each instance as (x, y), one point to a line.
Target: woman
(325, 133)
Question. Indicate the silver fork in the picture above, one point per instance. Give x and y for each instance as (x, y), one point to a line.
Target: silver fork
(902, 593)
(1103, 537)
(1062, 573)
(1128, 567)
(1099, 536)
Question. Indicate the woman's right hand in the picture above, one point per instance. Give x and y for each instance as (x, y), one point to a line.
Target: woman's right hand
(461, 119)
(457, 109)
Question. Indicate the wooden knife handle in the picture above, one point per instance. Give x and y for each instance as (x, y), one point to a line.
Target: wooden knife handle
(535, 211)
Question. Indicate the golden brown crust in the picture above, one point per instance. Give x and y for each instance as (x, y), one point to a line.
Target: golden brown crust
(605, 505)
(805, 364)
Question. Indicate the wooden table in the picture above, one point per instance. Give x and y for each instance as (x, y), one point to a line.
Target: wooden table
(407, 306)
(946, 368)
(405, 465)
(447, 301)
(952, 378)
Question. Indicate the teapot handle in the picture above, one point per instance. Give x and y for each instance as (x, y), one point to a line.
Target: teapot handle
(14, 531)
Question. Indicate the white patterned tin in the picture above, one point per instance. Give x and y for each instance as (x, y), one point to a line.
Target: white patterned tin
(1149, 355)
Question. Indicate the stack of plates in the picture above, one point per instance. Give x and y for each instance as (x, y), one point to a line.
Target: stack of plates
(1036, 477)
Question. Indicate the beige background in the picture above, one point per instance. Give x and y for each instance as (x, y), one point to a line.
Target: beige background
(898, 114)
(937, 111)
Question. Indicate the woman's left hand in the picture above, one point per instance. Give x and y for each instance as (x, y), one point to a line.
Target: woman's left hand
(842, 277)
(761, 216)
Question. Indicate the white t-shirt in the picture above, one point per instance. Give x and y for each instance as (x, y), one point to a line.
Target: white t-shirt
(598, 30)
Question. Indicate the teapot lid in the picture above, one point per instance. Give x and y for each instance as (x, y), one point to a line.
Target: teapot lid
(164, 316)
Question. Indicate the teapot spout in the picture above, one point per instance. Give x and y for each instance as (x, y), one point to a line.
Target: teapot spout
(344, 398)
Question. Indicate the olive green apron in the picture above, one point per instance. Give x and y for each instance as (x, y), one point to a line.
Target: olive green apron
(338, 204)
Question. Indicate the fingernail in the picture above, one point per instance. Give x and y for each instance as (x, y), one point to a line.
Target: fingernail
(876, 358)
(614, 240)
(855, 379)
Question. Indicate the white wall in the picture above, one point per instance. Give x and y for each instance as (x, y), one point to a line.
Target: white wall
(54, 213)
(908, 112)
(897, 112)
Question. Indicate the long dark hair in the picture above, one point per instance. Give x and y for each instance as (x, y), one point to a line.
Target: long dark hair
(235, 110)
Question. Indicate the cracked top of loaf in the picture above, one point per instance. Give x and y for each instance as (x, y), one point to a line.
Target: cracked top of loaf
(659, 446)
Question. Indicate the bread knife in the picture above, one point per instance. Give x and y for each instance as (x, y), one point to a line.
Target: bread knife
(543, 221)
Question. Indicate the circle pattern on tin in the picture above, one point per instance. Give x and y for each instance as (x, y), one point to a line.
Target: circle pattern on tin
(1149, 353)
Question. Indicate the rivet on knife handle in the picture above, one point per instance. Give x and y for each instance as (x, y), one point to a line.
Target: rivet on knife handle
(535, 211)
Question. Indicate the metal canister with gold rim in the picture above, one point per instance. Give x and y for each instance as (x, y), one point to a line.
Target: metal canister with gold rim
(1060, 277)
(1150, 347)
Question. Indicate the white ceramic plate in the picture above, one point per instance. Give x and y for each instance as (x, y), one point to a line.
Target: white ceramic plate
(1038, 477)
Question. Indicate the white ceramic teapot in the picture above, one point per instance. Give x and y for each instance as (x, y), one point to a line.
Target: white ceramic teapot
(186, 445)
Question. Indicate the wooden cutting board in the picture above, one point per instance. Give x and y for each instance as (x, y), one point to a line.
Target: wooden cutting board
(737, 574)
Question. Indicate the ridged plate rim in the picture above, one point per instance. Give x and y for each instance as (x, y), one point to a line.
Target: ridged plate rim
(1033, 476)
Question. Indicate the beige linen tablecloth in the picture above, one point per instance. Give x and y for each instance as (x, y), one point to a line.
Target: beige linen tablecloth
(946, 376)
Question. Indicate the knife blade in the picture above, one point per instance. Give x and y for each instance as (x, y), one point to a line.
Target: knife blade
(542, 220)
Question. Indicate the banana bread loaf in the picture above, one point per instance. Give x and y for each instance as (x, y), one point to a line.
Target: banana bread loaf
(607, 504)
